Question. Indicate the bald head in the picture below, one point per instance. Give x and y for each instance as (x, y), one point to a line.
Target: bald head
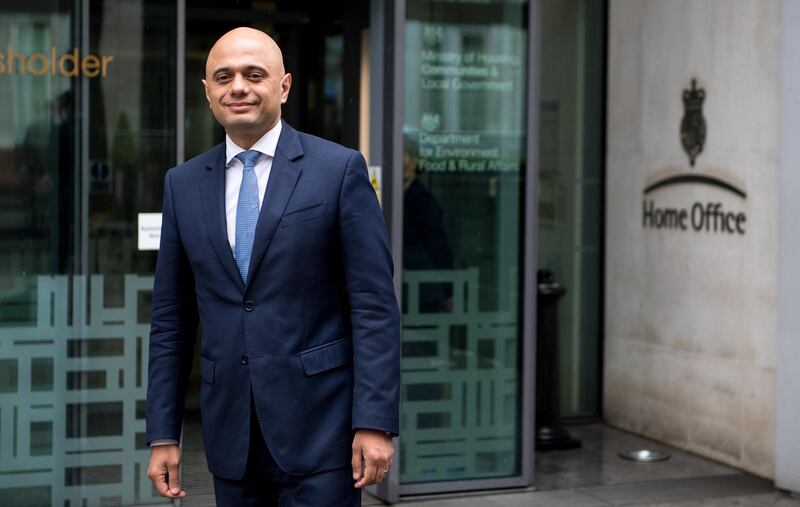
(246, 84)
(248, 40)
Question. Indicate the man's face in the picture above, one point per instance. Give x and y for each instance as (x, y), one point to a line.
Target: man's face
(245, 83)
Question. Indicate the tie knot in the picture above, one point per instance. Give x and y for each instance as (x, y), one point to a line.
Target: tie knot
(249, 157)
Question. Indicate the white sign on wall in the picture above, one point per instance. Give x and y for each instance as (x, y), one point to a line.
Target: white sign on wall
(149, 231)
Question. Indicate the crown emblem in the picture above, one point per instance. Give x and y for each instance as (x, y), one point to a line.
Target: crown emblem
(693, 125)
(430, 121)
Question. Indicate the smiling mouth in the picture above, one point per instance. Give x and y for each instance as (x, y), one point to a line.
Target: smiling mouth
(240, 105)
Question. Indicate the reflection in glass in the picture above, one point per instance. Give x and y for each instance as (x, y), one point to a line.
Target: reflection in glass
(36, 155)
(464, 142)
(87, 92)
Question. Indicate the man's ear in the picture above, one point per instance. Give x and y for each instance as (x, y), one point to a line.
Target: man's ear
(205, 87)
(286, 85)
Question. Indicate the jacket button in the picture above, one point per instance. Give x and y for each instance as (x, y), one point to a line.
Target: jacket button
(244, 360)
(248, 306)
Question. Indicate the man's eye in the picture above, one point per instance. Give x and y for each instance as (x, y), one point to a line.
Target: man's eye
(255, 76)
(221, 77)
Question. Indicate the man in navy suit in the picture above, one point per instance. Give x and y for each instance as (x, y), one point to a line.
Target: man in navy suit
(275, 241)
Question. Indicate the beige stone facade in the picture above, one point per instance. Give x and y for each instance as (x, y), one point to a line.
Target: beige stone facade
(691, 317)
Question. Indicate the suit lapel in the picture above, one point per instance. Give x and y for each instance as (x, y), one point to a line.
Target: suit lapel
(212, 189)
(282, 180)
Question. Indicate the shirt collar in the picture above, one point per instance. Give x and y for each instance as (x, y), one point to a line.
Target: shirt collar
(266, 145)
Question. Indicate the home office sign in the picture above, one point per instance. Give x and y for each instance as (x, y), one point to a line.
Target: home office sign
(702, 216)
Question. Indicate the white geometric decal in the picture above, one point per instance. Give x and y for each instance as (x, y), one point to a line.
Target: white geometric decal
(459, 412)
(72, 391)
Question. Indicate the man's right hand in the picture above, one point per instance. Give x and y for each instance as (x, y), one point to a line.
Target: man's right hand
(164, 469)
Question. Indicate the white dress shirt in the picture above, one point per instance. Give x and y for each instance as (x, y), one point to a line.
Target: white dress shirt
(234, 169)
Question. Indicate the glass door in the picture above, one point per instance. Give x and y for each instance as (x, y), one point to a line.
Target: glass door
(466, 419)
(88, 91)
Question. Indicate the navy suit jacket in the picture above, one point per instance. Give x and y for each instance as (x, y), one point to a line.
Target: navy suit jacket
(314, 333)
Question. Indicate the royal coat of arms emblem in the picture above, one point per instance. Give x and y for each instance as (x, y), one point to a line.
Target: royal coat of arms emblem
(693, 125)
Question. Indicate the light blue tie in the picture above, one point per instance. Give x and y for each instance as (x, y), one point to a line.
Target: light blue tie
(246, 212)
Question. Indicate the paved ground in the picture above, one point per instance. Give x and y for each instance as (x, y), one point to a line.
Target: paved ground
(574, 499)
(593, 476)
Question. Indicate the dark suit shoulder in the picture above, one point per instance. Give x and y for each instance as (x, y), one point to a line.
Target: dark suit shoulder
(316, 146)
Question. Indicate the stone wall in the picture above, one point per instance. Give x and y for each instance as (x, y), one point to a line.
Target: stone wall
(691, 311)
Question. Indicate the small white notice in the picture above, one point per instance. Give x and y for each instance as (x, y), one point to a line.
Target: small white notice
(149, 231)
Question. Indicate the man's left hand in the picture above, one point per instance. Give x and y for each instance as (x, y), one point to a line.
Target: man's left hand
(372, 456)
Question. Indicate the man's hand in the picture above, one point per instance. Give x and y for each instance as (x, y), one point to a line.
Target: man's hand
(165, 461)
(372, 456)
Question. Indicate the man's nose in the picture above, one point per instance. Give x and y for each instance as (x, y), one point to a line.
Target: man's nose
(239, 85)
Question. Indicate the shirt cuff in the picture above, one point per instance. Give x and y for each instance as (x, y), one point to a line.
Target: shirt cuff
(163, 441)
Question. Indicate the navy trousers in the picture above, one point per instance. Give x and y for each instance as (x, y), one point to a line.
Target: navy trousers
(266, 485)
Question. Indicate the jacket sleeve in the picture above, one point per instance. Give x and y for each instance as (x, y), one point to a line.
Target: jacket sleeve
(173, 330)
(374, 313)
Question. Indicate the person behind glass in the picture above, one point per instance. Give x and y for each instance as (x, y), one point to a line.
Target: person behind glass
(275, 241)
(425, 243)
